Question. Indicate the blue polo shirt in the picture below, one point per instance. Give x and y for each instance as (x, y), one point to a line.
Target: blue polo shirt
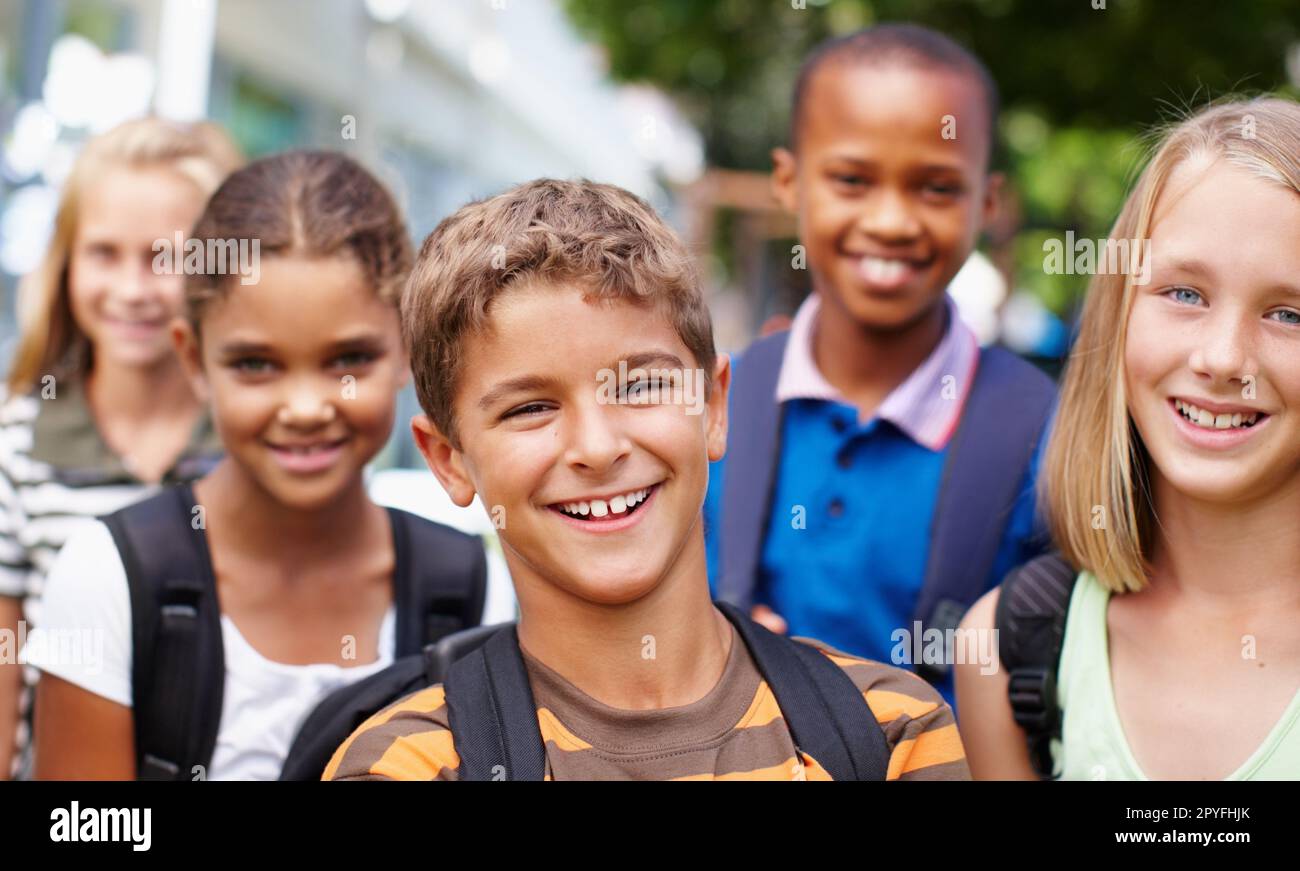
(848, 535)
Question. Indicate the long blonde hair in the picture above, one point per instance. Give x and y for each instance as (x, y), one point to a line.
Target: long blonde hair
(1096, 466)
(50, 340)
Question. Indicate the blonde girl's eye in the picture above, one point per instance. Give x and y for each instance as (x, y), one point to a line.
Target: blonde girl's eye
(1184, 295)
(1286, 316)
(100, 252)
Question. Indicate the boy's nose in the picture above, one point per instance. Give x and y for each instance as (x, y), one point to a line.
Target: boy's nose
(888, 216)
(594, 440)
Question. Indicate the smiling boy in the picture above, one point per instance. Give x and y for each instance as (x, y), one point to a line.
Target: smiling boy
(516, 307)
(887, 477)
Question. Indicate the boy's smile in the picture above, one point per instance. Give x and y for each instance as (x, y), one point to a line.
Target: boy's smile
(888, 207)
(601, 514)
(599, 498)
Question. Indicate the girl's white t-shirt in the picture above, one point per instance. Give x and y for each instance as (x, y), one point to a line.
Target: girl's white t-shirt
(85, 639)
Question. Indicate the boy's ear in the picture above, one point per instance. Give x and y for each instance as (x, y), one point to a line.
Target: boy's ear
(446, 463)
(992, 198)
(717, 434)
(784, 179)
(190, 352)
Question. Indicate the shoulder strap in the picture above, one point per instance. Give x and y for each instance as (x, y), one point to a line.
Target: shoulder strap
(1030, 623)
(492, 713)
(439, 580)
(494, 718)
(750, 470)
(178, 664)
(827, 715)
(1001, 423)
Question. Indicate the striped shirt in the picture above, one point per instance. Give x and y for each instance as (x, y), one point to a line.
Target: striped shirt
(56, 475)
(735, 732)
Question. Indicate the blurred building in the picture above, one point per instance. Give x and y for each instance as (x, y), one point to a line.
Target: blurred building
(447, 100)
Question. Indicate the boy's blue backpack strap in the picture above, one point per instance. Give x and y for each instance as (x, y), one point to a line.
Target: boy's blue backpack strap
(439, 581)
(828, 717)
(178, 664)
(492, 713)
(988, 460)
(752, 452)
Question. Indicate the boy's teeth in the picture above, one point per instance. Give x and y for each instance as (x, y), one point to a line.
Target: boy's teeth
(601, 508)
(879, 270)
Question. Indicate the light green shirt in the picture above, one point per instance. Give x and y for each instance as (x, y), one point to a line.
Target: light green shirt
(1093, 746)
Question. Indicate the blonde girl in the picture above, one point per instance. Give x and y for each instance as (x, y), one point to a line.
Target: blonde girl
(1172, 481)
(96, 409)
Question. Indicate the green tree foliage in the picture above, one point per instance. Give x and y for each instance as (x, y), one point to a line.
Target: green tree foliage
(1079, 84)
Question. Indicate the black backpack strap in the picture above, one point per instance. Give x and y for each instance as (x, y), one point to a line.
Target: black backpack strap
(178, 662)
(987, 465)
(439, 657)
(750, 470)
(1030, 623)
(828, 716)
(492, 713)
(439, 580)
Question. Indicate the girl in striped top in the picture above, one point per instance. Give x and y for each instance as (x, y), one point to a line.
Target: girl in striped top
(1172, 480)
(96, 410)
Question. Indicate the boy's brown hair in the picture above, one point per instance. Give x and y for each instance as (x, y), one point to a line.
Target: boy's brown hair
(310, 203)
(597, 236)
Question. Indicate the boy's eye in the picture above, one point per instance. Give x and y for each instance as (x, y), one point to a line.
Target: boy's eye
(943, 189)
(1286, 316)
(1184, 295)
(647, 391)
(848, 179)
(529, 410)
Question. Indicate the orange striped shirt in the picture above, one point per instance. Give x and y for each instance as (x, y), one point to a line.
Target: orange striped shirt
(735, 732)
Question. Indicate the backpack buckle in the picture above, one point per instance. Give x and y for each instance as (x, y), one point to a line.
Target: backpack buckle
(1032, 692)
(946, 617)
(155, 768)
(180, 602)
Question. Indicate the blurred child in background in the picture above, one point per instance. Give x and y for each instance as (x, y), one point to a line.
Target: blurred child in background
(96, 410)
(885, 476)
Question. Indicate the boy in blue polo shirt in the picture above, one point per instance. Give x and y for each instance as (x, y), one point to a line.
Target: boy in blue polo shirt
(883, 475)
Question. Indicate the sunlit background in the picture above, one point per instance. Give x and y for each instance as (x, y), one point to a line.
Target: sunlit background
(680, 101)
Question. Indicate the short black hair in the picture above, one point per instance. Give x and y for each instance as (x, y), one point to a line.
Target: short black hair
(903, 45)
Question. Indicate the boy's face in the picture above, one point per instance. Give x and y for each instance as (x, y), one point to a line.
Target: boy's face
(889, 185)
(301, 369)
(539, 431)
